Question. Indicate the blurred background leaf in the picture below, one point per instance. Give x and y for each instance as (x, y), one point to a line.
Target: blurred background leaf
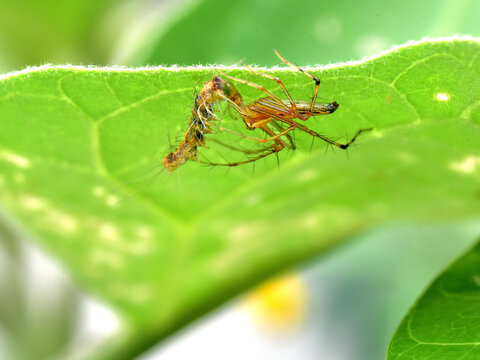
(444, 322)
(36, 32)
(37, 318)
(307, 32)
(78, 31)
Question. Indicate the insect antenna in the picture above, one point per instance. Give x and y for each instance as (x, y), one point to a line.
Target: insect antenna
(178, 179)
(145, 172)
(127, 191)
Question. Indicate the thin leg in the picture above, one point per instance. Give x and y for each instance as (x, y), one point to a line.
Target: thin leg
(276, 137)
(245, 151)
(324, 138)
(314, 78)
(272, 150)
(279, 82)
(237, 163)
(277, 126)
(330, 141)
(259, 87)
(273, 136)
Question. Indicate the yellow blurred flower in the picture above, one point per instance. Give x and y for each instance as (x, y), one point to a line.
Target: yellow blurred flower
(280, 303)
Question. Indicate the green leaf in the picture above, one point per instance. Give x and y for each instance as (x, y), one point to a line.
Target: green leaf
(444, 323)
(73, 139)
(34, 33)
(316, 32)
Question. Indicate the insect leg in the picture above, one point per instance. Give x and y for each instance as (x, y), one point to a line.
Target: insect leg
(273, 136)
(314, 78)
(330, 141)
(279, 82)
(260, 87)
(245, 151)
(237, 163)
(277, 126)
(323, 137)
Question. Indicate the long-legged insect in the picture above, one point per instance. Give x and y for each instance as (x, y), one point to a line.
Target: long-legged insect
(262, 114)
(271, 109)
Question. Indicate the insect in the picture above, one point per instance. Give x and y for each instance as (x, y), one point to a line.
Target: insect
(271, 115)
(198, 126)
(271, 110)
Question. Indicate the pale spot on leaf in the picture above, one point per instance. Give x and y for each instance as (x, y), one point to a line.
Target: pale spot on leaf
(31, 202)
(406, 157)
(441, 96)
(52, 218)
(252, 200)
(15, 159)
(111, 200)
(19, 178)
(138, 243)
(245, 231)
(134, 293)
(60, 220)
(106, 257)
(144, 231)
(108, 231)
(467, 165)
(307, 175)
(143, 246)
(309, 221)
(98, 191)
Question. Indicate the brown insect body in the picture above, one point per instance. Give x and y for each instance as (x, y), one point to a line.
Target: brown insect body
(275, 117)
(200, 122)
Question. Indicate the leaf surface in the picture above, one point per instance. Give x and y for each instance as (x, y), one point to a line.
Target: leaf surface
(73, 139)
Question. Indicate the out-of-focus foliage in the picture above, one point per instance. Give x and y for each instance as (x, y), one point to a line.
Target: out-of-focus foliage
(309, 32)
(33, 326)
(444, 323)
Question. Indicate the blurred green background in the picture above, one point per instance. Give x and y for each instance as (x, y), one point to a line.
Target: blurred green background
(376, 278)
(186, 32)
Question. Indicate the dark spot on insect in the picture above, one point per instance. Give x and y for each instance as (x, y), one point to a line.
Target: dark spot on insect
(332, 107)
(198, 99)
(217, 82)
(198, 135)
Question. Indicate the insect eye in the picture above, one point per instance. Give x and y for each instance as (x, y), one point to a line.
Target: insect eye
(332, 107)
